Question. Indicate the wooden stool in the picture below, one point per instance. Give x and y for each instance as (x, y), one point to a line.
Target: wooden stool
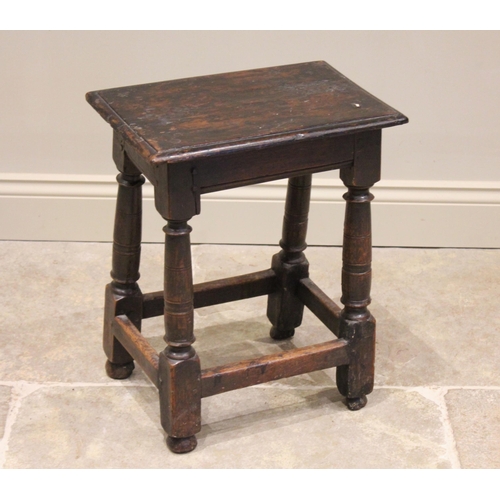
(199, 135)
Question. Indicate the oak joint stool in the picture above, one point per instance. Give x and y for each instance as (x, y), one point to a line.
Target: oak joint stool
(199, 135)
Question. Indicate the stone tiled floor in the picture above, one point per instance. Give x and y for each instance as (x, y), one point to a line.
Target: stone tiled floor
(436, 403)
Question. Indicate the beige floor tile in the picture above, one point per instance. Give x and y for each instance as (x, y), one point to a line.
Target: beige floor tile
(5, 398)
(51, 311)
(52, 307)
(437, 325)
(438, 321)
(311, 429)
(475, 419)
(265, 427)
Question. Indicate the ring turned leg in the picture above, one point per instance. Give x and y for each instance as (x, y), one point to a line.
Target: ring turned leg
(357, 325)
(123, 295)
(284, 309)
(179, 372)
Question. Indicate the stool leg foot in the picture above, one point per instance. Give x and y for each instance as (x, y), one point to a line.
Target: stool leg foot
(182, 445)
(355, 404)
(278, 334)
(355, 380)
(119, 371)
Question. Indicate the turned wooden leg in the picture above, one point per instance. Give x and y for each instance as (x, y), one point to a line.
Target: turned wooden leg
(123, 295)
(179, 373)
(284, 309)
(357, 325)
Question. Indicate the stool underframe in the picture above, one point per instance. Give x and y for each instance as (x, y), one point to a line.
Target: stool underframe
(176, 370)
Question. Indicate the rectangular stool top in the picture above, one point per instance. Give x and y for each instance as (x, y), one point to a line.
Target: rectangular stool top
(182, 119)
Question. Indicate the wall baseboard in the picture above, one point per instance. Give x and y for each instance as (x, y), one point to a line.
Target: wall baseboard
(405, 213)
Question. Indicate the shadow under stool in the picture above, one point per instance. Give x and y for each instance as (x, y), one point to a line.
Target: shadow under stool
(199, 135)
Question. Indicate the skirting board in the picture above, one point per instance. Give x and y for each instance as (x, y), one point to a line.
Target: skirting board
(405, 213)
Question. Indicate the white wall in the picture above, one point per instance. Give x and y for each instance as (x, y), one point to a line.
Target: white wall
(441, 175)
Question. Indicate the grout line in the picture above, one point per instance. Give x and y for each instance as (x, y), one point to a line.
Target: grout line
(437, 395)
(81, 384)
(446, 387)
(121, 383)
(405, 387)
(473, 387)
(19, 391)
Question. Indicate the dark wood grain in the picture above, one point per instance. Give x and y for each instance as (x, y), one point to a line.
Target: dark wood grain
(240, 168)
(240, 287)
(273, 367)
(184, 118)
(323, 307)
(219, 291)
(140, 349)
